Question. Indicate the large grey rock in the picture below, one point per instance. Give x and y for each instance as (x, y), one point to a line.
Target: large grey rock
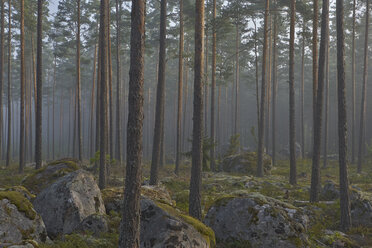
(257, 221)
(113, 197)
(95, 224)
(18, 220)
(330, 191)
(161, 229)
(45, 176)
(361, 208)
(245, 163)
(68, 201)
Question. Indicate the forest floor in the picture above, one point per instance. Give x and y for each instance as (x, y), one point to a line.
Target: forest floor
(218, 185)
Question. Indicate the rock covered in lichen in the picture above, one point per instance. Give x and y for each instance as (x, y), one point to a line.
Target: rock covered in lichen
(95, 224)
(245, 163)
(18, 220)
(160, 228)
(258, 221)
(45, 176)
(113, 197)
(68, 201)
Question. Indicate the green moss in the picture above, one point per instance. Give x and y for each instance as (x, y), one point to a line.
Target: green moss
(236, 244)
(70, 162)
(35, 182)
(21, 190)
(206, 231)
(20, 202)
(105, 240)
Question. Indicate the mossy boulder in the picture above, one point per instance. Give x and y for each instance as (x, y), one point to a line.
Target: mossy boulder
(361, 208)
(18, 219)
(164, 226)
(245, 163)
(42, 178)
(257, 220)
(113, 197)
(68, 201)
(95, 224)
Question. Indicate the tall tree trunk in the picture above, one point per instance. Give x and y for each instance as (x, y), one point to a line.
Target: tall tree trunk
(159, 116)
(326, 110)
(91, 153)
(292, 120)
(364, 94)
(342, 121)
(261, 129)
(180, 86)
(315, 57)
(9, 84)
(353, 131)
(268, 87)
(61, 125)
(237, 72)
(130, 224)
(256, 66)
(303, 91)
(213, 88)
(39, 81)
(22, 110)
(98, 95)
(118, 83)
(78, 86)
(315, 173)
(206, 77)
(185, 102)
(104, 40)
(197, 136)
(54, 88)
(275, 87)
(2, 48)
(111, 107)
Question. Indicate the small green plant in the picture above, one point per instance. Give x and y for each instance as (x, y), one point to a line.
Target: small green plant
(234, 146)
(207, 146)
(96, 157)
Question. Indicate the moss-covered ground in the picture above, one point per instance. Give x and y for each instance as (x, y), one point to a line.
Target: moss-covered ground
(220, 185)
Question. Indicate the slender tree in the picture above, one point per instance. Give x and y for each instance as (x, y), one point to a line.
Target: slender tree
(262, 112)
(160, 92)
(213, 86)
(315, 173)
(78, 84)
(292, 125)
(103, 92)
(180, 86)
(303, 90)
(2, 47)
(22, 96)
(342, 121)
(353, 87)
(364, 94)
(326, 110)
(9, 84)
(197, 135)
(315, 55)
(39, 81)
(118, 82)
(129, 228)
(274, 87)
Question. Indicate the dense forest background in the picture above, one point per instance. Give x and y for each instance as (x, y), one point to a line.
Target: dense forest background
(239, 40)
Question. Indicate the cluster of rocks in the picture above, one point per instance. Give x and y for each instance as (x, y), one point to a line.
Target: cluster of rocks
(68, 200)
(65, 199)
